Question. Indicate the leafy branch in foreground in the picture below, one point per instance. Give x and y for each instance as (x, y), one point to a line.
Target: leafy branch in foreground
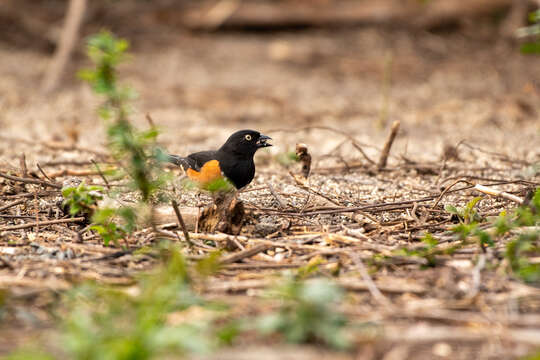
(134, 151)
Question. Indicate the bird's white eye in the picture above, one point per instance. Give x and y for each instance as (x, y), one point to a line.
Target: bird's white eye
(247, 137)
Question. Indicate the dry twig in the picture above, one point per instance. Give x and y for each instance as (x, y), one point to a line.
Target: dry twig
(101, 174)
(388, 145)
(498, 193)
(181, 222)
(15, 203)
(245, 253)
(40, 223)
(377, 295)
(74, 17)
(31, 181)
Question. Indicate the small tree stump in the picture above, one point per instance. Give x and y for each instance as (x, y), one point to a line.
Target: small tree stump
(225, 215)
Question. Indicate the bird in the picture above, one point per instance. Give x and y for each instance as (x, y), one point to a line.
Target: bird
(233, 161)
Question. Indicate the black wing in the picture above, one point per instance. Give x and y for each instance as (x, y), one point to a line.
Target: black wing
(194, 161)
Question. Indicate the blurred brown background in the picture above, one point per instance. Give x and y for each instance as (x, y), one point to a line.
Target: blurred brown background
(448, 69)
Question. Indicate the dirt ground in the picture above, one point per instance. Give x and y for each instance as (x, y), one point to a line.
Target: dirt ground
(327, 89)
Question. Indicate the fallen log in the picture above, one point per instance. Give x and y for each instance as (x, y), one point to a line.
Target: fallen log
(282, 14)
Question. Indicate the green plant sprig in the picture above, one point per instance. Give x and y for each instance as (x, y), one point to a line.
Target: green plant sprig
(135, 151)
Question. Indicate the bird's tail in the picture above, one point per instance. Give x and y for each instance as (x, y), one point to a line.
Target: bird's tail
(178, 160)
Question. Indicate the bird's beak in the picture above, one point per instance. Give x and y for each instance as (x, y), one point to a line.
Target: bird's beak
(262, 142)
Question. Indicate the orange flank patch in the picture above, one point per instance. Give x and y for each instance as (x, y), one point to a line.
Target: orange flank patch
(209, 173)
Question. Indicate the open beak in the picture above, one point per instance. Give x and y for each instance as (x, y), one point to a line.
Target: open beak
(263, 141)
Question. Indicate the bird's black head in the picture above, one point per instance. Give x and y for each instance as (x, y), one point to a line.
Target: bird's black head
(245, 142)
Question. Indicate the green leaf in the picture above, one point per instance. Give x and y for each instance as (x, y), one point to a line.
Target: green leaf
(130, 217)
(536, 200)
(287, 158)
(27, 354)
(451, 209)
(219, 185)
(472, 203)
(463, 230)
(485, 238)
(103, 215)
(502, 224)
(87, 75)
(321, 291)
(209, 265)
(228, 333)
(534, 16)
(430, 240)
(270, 323)
(530, 48)
(310, 268)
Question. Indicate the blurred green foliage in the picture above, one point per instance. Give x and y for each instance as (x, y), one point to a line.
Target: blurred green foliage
(533, 32)
(307, 313)
(523, 227)
(135, 151)
(82, 200)
(287, 158)
(115, 323)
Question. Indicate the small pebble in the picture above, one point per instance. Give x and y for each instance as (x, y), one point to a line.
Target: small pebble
(442, 349)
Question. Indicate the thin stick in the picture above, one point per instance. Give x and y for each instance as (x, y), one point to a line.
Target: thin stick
(245, 253)
(447, 189)
(24, 168)
(371, 208)
(43, 172)
(30, 181)
(6, 263)
(15, 203)
(55, 145)
(101, 174)
(16, 216)
(238, 244)
(114, 255)
(476, 276)
(67, 162)
(219, 13)
(388, 144)
(150, 121)
(181, 222)
(198, 217)
(261, 266)
(68, 38)
(36, 205)
(326, 128)
(357, 147)
(372, 288)
(498, 193)
(275, 195)
(503, 157)
(41, 223)
(29, 195)
(70, 172)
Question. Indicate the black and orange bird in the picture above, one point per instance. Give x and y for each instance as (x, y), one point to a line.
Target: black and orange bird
(233, 160)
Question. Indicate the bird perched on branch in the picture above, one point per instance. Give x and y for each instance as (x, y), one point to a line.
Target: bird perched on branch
(232, 162)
